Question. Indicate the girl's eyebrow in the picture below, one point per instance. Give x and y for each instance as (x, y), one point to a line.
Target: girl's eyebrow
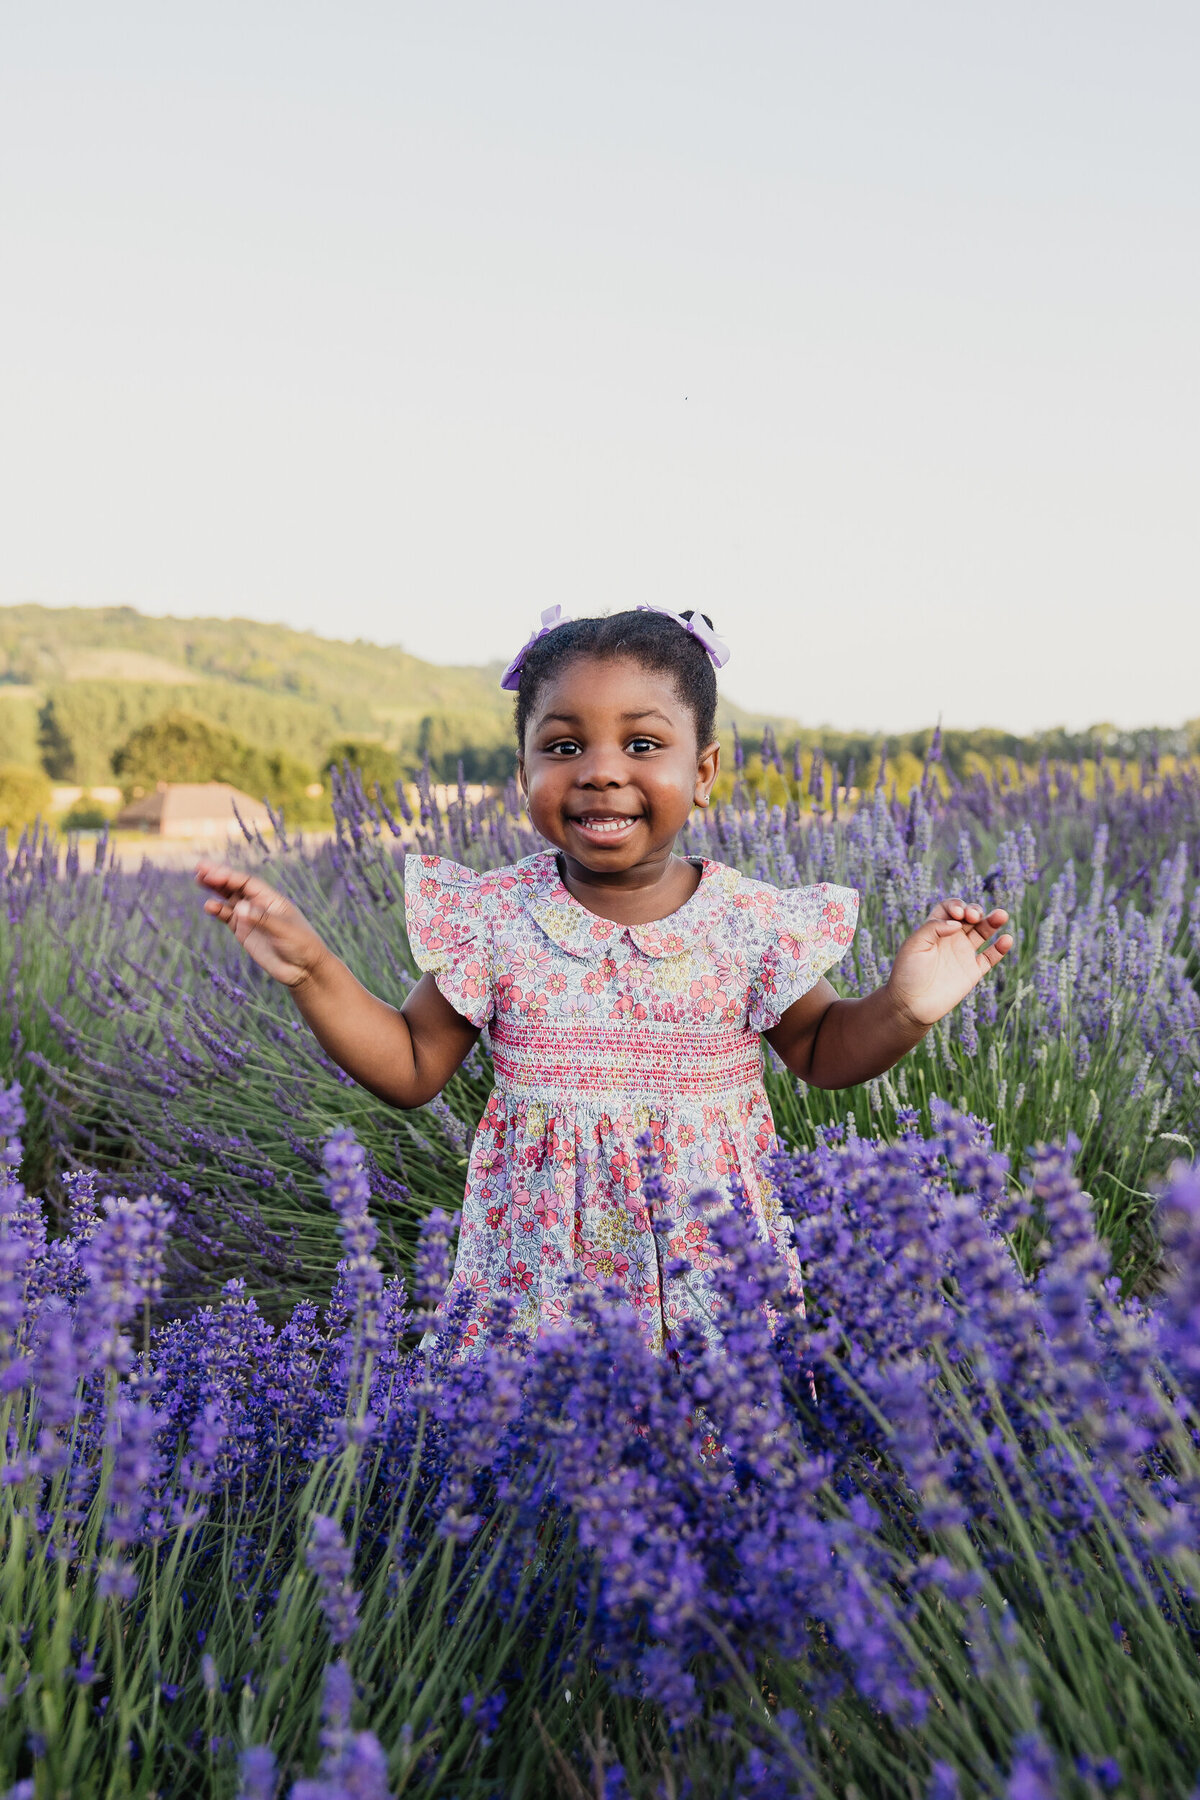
(651, 712)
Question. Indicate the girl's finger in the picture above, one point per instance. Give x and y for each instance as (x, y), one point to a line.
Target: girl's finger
(218, 877)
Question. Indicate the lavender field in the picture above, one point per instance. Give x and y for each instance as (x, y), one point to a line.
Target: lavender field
(935, 1536)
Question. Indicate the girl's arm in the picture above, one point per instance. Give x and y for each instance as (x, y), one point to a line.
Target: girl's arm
(832, 1043)
(405, 1056)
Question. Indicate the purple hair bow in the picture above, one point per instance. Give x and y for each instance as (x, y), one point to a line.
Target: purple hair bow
(716, 647)
(552, 617)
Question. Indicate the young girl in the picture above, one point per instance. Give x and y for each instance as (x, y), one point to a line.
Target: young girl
(624, 987)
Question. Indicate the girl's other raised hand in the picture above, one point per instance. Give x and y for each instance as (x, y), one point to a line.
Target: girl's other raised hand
(945, 957)
(267, 926)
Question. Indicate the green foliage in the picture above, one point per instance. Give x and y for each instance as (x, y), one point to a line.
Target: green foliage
(484, 744)
(179, 747)
(83, 724)
(373, 762)
(24, 796)
(18, 729)
(87, 816)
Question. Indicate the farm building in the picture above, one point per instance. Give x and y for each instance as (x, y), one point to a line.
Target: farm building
(194, 809)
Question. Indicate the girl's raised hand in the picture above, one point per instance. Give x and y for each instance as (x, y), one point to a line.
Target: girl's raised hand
(945, 957)
(268, 927)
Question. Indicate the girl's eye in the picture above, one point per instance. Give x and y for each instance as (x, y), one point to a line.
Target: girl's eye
(563, 747)
(640, 744)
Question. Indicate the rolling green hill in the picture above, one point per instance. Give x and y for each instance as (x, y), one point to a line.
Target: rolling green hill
(75, 682)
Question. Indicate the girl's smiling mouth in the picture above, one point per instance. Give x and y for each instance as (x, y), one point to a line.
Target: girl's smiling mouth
(604, 827)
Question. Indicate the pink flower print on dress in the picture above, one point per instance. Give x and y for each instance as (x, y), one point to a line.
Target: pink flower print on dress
(725, 1158)
(707, 994)
(696, 1234)
(470, 1336)
(546, 1211)
(623, 1168)
(604, 1264)
(530, 965)
(473, 980)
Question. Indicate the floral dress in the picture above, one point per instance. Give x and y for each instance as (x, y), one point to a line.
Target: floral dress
(600, 1032)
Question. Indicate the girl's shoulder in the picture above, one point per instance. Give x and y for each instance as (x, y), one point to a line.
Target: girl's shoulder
(437, 881)
(823, 909)
(788, 938)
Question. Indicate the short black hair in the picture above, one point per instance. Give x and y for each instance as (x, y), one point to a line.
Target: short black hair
(650, 638)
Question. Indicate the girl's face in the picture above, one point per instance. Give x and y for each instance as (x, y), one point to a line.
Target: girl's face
(611, 766)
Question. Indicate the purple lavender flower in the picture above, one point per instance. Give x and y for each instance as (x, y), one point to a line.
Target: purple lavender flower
(349, 1191)
(12, 1124)
(123, 1262)
(130, 1438)
(258, 1774)
(1033, 1772)
(1178, 1313)
(431, 1265)
(354, 1766)
(345, 1182)
(332, 1562)
(116, 1580)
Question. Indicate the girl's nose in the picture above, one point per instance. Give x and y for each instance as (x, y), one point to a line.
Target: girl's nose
(598, 769)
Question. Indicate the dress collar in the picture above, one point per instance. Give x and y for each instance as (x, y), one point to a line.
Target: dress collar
(582, 933)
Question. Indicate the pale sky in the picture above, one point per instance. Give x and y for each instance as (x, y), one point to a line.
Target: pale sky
(871, 329)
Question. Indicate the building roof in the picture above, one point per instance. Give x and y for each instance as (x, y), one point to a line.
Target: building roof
(193, 809)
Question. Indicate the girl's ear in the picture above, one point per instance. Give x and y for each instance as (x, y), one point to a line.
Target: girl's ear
(521, 781)
(707, 769)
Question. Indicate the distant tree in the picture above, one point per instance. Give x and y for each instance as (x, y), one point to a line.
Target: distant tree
(369, 757)
(87, 816)
(54, 744)
(81, 724)
(24, 796)
(177, 746)
(18, 730)
(482, 742)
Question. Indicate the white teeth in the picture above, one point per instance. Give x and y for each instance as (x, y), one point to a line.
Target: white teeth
(605, 824)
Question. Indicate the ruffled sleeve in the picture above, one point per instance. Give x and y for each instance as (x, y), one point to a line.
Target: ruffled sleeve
(449, 932)
(808, 930)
